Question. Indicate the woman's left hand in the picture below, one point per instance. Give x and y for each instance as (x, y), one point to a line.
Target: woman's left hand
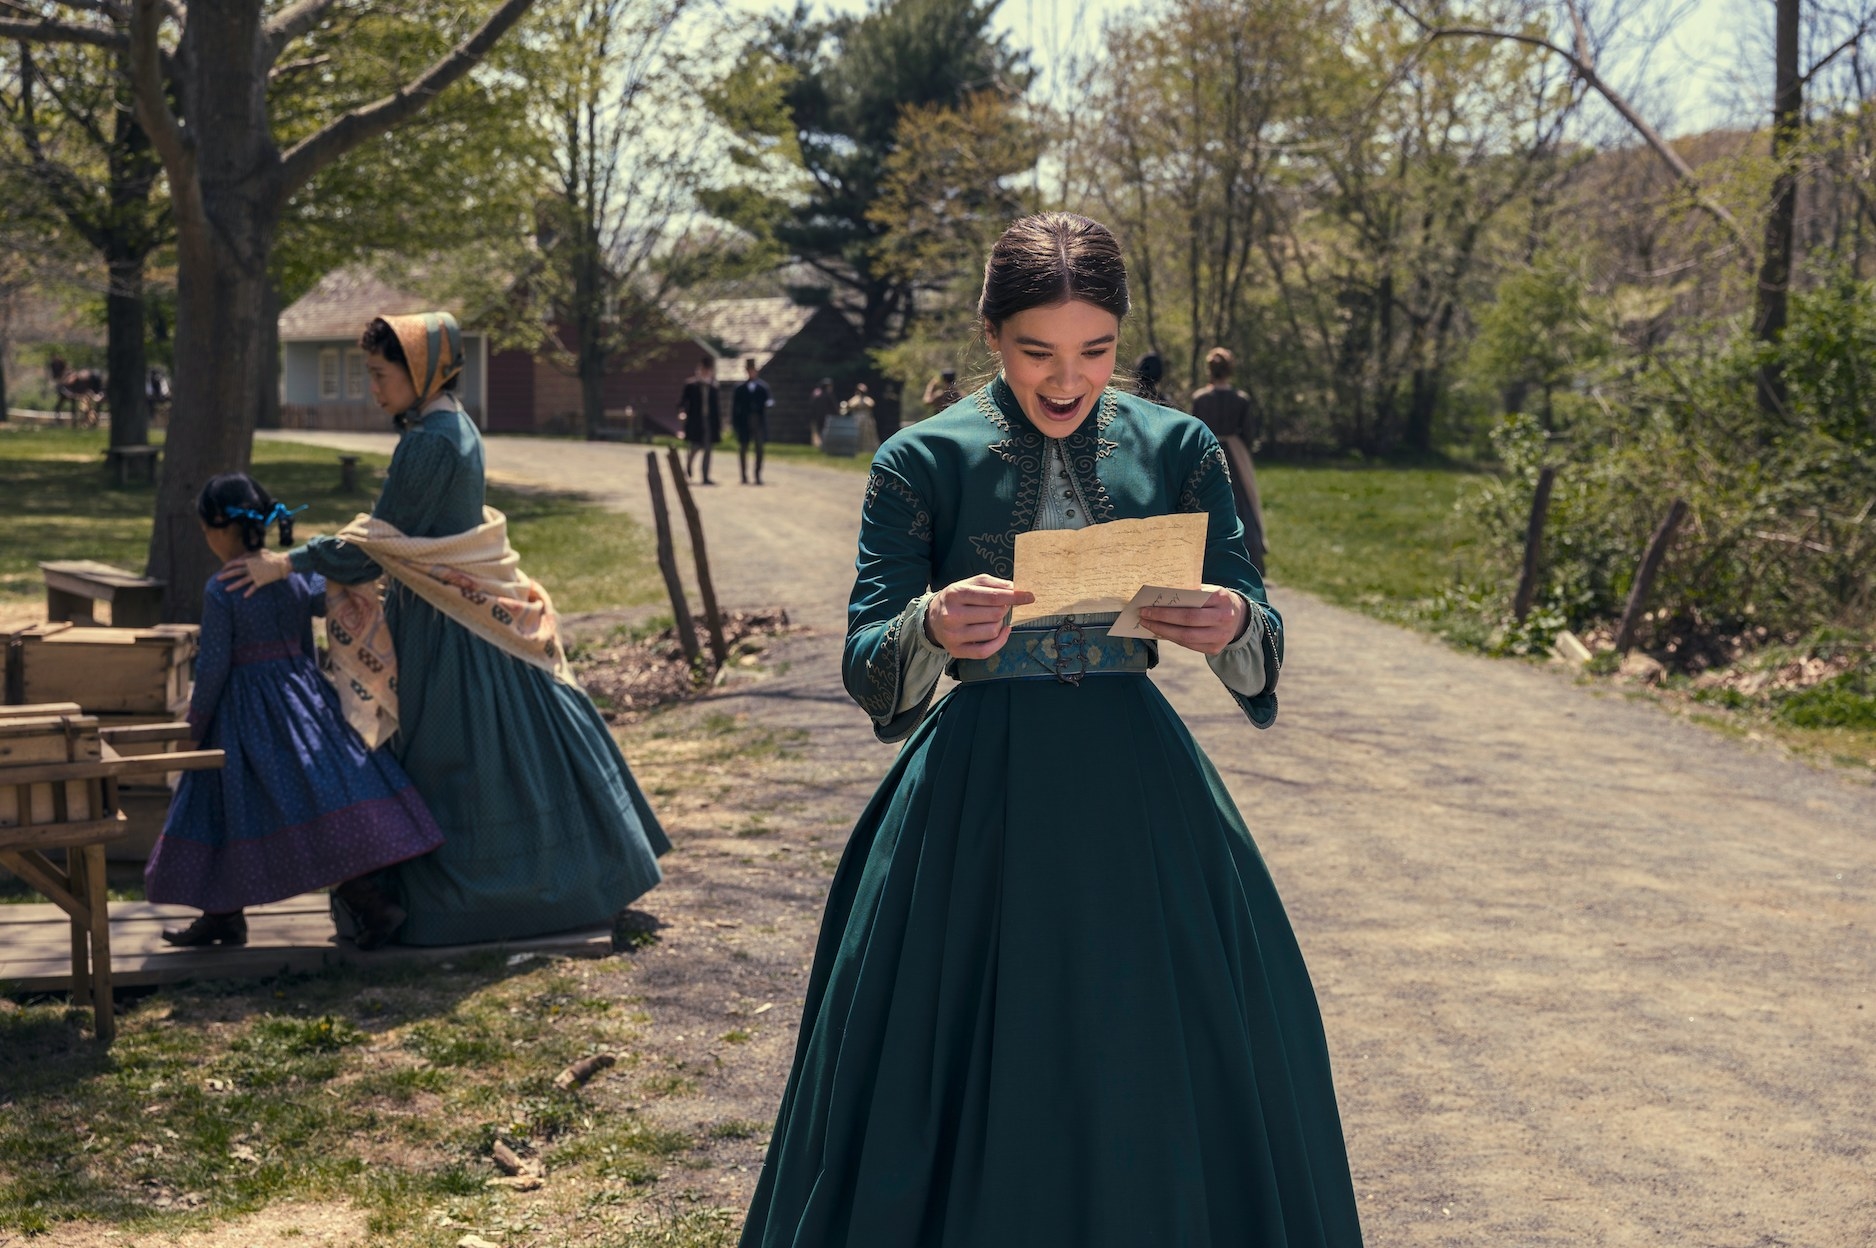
(1207, 629)
(263, 567)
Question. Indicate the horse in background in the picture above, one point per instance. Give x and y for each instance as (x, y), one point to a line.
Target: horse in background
(83, 388)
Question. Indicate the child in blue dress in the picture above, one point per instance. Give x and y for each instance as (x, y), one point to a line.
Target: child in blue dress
(301, 803)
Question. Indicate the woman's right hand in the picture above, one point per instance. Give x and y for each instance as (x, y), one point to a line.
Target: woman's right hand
(971, 619)
(250, 572)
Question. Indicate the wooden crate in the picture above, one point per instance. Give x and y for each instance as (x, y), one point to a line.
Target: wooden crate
(35, 743)
(120, 671)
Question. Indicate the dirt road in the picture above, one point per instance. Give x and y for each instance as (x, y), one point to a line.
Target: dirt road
(1591, 975)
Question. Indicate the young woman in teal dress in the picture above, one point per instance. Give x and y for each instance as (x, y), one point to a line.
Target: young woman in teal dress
(1056, 1001)
(544, 828)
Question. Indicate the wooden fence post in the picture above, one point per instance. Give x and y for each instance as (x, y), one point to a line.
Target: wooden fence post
(667, 564)
(712, 618)
(1645, 575)
(1533, 546)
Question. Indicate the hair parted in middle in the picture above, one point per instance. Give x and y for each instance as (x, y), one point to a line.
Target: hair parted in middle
(1051, 258)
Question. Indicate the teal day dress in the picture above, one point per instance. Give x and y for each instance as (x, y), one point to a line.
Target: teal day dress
(544, 828)
(1056, 1001)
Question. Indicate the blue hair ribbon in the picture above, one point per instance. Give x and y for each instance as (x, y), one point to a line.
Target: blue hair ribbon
(280, 512)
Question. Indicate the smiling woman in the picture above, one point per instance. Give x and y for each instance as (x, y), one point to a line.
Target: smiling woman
(1056, 1000)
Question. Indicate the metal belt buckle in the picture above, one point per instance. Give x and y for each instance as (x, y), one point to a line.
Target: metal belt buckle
(1070, 647)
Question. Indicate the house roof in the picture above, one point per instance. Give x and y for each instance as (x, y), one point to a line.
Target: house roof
(342, 303)
(745, 328)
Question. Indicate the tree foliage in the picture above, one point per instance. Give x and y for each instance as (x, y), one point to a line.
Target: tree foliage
(817, 103)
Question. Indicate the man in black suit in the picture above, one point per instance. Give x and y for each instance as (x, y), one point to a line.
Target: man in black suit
(703, 416)
(749, 416)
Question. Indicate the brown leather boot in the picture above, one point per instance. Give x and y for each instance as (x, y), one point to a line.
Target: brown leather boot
(375, 917)
(211, 929)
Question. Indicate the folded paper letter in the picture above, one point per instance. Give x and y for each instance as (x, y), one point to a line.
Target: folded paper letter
(1101, 568)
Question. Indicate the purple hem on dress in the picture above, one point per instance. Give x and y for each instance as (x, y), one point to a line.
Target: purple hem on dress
(340, 845)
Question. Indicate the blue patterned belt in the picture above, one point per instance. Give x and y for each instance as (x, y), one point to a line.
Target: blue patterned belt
(1067, 652)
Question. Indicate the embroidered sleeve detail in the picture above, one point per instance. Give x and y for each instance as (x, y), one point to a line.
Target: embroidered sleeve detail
(920, 528)
(1212, 461)
(881, 697)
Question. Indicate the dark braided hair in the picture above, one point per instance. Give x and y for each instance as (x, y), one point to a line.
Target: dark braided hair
(236, 499)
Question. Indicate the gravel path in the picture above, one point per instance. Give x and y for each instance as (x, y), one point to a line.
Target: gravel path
(1591, 975)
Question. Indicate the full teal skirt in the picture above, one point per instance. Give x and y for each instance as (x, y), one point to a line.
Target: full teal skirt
(1056, 1003)
(544, 828)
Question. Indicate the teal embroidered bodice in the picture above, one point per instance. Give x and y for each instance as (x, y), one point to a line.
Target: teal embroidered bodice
(947, 497)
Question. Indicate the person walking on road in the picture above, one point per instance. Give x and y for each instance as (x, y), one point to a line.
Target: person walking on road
(702, 412)
(749, 417)
(1227, 412)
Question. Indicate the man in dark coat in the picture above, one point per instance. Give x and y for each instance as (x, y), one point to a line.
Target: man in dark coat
(703, 416)
(749, 416)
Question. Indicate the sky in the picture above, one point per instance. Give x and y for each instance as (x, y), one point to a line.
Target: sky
(1679, 59)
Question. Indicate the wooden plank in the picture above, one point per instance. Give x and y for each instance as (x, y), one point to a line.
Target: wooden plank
(57, 835)
(92, 579)
(104, 1008)
(176, 760)
(148, 764)
(41, 710)
(294, 935)
(145, 734)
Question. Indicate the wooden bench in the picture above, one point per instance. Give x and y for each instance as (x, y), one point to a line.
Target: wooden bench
(58, 790)
(121, 459)
(72, 585)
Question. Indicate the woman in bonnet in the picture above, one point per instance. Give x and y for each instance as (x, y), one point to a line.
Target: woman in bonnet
(544, 828)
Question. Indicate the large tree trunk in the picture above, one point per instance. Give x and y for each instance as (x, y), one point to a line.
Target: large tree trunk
(1772, 297)
(221, 295)
(267, 400)
(123, 353)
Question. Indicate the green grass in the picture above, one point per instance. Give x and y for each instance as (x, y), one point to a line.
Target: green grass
(55, 503)
(385, 1088)
(1371, 535)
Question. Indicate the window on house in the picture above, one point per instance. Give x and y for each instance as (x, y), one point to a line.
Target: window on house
(329, 374)
(354, 374)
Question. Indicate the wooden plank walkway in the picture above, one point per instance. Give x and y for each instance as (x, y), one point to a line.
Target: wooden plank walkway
(292, 935)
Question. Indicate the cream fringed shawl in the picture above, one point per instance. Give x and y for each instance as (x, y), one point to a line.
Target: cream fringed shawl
(473, 577)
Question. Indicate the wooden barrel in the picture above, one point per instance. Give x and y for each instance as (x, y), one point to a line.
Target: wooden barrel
(841, 436)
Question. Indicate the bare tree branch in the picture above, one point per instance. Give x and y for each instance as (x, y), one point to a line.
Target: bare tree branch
(152, 101)
(1587, 72)
(292, 22)
(297, 66)
(318, 150)
(47, 30)
(1855, 39)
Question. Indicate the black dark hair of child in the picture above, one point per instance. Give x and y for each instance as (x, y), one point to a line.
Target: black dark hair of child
(236, 499)
(380, 339)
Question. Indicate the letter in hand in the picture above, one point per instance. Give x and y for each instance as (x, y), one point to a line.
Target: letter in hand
(971, 619)
(1207, 629)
